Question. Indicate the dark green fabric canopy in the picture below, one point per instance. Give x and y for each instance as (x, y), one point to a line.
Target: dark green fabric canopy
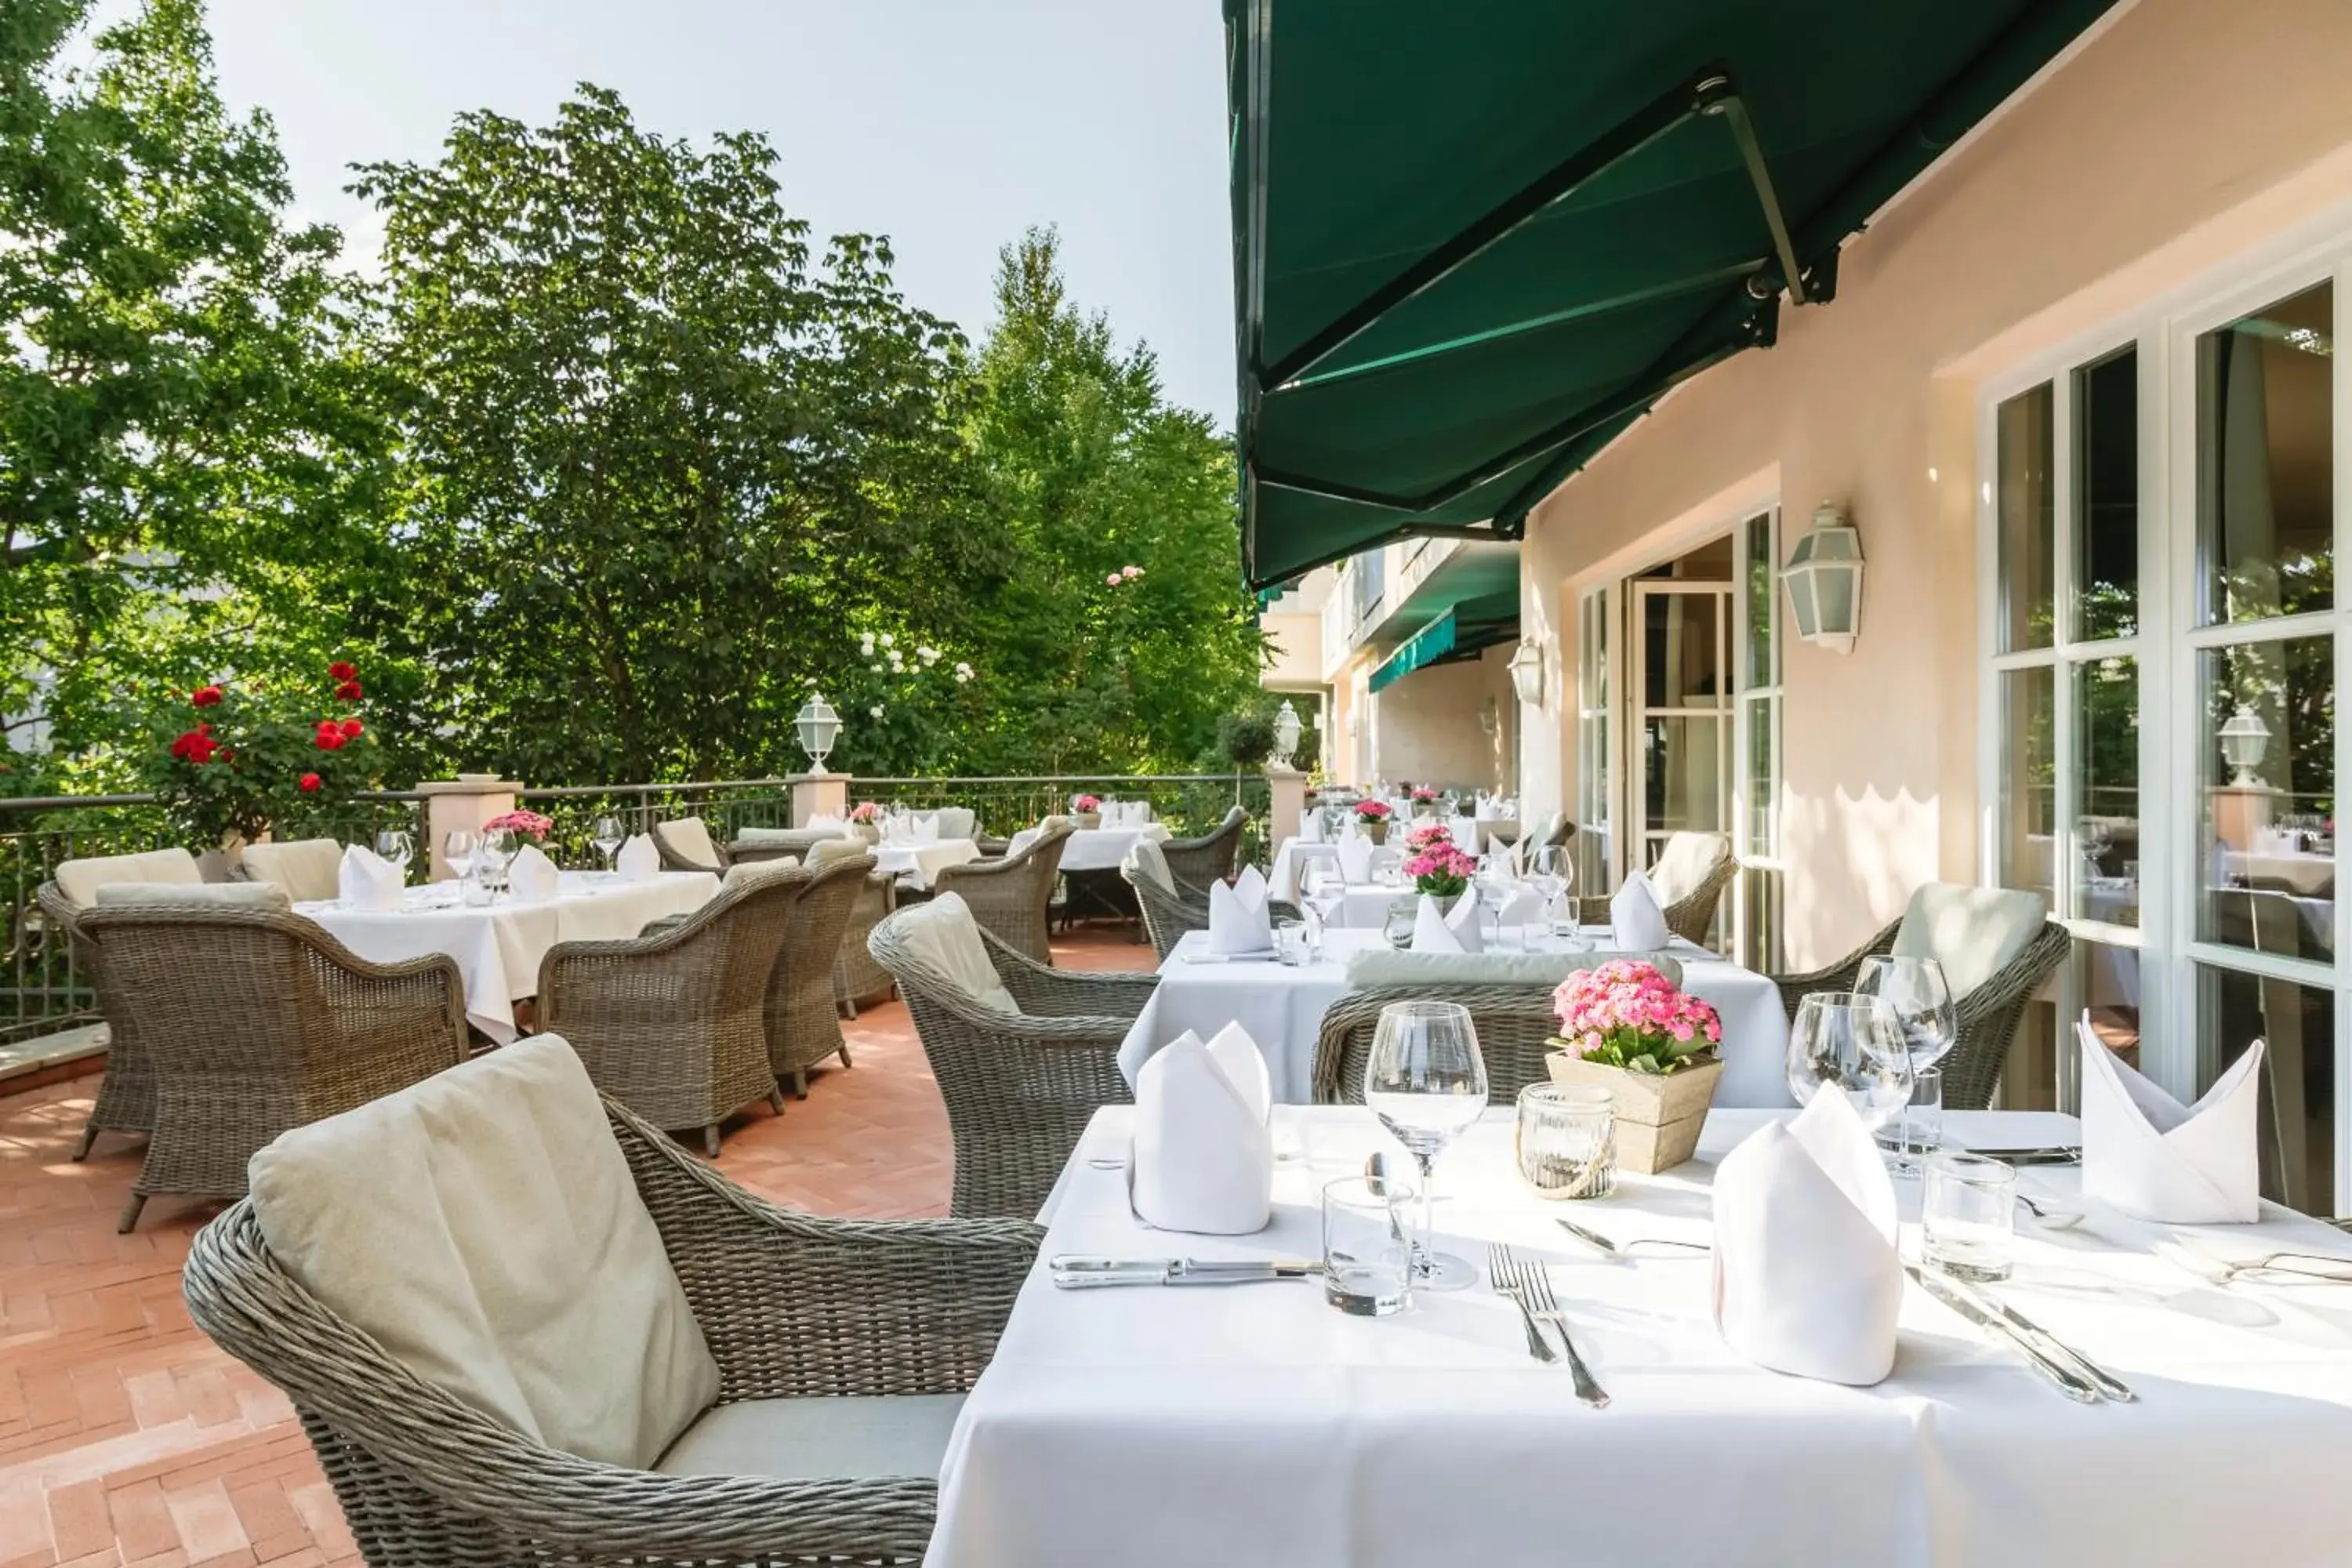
(1474, 241)
(1462, 630)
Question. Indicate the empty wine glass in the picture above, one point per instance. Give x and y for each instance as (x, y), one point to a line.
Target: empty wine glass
(1426, 1082)
(1552, 876)
(493, 852)
(458, 846)
(1854, 1043)
(398, 846)
(608, 837)
(1916, 990)
(1493, 884)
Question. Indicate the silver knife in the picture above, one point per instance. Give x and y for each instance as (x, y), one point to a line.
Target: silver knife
(2069, 1383)
(1071, 1272)
(2108, 1384)
(2051, 1154)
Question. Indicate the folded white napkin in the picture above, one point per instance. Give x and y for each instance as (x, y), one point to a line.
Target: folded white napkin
(1238, 920)
(1435, 931)
(530, 876)
(1465, 830)
(638, 860)
(926, 827)
(1203, 1154)
(1524, 906)
(1637, 922)
(1354, 858)
(366, 880)
(1807, 1277)
(1310, 828)
(2148, 1156)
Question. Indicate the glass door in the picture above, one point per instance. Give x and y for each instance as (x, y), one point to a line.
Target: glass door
(1682, 710)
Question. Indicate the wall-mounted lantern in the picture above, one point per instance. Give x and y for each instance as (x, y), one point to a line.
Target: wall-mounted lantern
(1823, 577)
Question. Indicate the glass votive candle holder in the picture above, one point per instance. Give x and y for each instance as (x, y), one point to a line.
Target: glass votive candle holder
(1969, 1216)
(1566, 1140)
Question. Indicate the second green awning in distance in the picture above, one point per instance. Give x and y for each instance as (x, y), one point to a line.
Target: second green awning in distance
(1463, 629)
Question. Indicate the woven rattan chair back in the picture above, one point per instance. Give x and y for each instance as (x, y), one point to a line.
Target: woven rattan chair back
(126, 1092)
(675, 858)
(1515, 1025)
(804, 1004)
(1210, 857)
(1010, 896)
(1167, 915)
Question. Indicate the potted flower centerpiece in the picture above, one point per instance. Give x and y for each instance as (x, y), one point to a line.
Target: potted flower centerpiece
(866, 823)
(1437, 866)
(1373, 814)
(1625, 1027)
(508, 832)
(1424, 801)
(1086, 810)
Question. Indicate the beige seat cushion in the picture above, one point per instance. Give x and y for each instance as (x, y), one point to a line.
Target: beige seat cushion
(956, 821)
(1685, 863)
(483, 1228)
(1974, 932)
(79, 880)
(1145, 862)
(307, 869)
(943, 934)
(689, 838)
(758, 870)
(1379, 968)
(831, 849)
(199, 895)
(858, 1438)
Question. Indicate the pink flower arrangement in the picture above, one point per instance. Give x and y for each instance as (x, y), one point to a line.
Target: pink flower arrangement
(1087, 803)
(1422, 792)
(1428, 835)
(1372, 810)
(1626, 1014)
(864, 811)
(524, 824)
(1441, 868)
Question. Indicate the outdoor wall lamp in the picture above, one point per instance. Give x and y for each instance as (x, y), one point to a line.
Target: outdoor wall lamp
(1528, 672)
(1824, 581)
(817, 724)
(2244, 740)
(1286, 733)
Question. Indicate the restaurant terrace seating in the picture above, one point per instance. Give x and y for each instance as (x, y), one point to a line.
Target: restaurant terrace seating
(1691, 873)
(307, 868)
(1210, 857)
(855, 976)
(804, 1010)
(685, 845)
(1010, 897)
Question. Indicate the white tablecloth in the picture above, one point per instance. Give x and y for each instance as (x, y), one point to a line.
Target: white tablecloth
(1254, 1425)
(1282, 1006)
(923, 861)
(1105, 848)
(498, 946)
(1289, 864)
(2303, 872)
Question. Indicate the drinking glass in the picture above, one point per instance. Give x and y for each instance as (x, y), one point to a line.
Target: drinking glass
(1566, 1139)
(1398, 924)
(1916, 989)
(1426, 1082)
(1494, 885)
(1367, 1261)
(1548, 871)
(457, 848)
(1290, 942)
(608, 838)
(1969, 1216)
(492, 853)
(1926, 1115)
(397, 845)
(1852, 1042)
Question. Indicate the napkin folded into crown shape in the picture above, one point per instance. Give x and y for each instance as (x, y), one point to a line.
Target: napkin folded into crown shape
(638, 860)
(2150, 1156)
(366, 880)
(926, 827)
(1354, 858)
(530, 876)
(1310, 828)
(1637, 922)
(1807, 1277)
(1435, 930)
(1238, 919)
(1203, 1156)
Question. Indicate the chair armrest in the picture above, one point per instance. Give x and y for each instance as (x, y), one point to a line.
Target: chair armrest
(1047, 992)
(1838, 976)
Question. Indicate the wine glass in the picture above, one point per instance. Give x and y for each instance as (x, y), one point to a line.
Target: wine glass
(1426, 1082)
(493, 852)
(458, 846)
(1854, 1043)
(1916, 990)
(1552, 875)
(608, 837)
(1326, 889)
(398, 846)
(1493, 884)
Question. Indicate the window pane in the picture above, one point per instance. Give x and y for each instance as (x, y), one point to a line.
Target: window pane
(2028, 780)
(1763, 782)
(2028, 519)
(1760, 892)
(2265, 460)
(2029, 1074)
(2106, 802)
(1683, 774)
(1684, 652)
(2297, 1025)
(1759, 670)
(2107, 490)
(1591, 840)
(2268, 796)
(2108, 977)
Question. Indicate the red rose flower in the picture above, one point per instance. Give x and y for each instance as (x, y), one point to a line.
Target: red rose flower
(330, 739)
(349, 691)
(339, 670)
(353, 729)
(309, 783)
(204, 695)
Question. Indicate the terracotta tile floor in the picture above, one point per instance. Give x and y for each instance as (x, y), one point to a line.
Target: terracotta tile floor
(126, 1438)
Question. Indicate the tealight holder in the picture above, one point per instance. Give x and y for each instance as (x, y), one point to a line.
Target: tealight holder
(1566, 1140)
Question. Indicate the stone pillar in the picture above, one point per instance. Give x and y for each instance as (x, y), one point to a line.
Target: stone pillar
(818, 794)
(466, 801)
(2241, 813)
(1290, 788)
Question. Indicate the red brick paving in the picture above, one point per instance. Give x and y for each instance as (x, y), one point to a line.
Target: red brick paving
(128, 1441)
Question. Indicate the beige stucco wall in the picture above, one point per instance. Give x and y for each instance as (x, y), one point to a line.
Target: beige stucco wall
(2179, 135)
(1296, 639)
(1426, 726)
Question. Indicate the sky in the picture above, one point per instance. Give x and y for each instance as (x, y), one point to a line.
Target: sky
(949, 125)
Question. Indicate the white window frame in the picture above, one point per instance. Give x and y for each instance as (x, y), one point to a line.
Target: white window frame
(1752, 705)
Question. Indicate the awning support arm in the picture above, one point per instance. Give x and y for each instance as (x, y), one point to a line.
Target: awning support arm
(1734, 113)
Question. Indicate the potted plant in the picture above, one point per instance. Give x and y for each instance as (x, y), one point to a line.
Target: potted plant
(1424, 801)
(1374, 816)
(1438, 867)
(244, 759)
(1625, 1027)
(1086, 809)
(512, 829)
(866, 823)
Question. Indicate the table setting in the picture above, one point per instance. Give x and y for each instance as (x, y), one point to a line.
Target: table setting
(912, 846)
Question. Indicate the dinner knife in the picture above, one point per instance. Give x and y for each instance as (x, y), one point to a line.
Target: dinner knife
(1071, 1272)
(2108, 1384)
(2066, 1380)
(2051, 1154)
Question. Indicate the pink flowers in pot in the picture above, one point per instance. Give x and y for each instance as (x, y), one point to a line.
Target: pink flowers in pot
(1372, 811)
(527, 825)
(1626, 1014)
(1087, 803)
(864, 811)
(1441, 868)
(1428, 835)
(1422, 792)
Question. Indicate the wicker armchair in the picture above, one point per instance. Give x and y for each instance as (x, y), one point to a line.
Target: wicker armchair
(685, 845)
(255, 1021)
(856, 978)
(792, 1306)
(1168, 914)
(126, 1093)
(1010, 897)
(1987, 1016)
(1514, 1022)
(674, 1024)
(1687, 917)
(1210, 857)
(804, 998)
(1020, 1087)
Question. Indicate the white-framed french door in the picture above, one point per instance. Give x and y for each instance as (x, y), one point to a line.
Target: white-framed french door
(1683, 726)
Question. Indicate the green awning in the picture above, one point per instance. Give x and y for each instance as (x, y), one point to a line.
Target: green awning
(1473, 242)
(1464, 629)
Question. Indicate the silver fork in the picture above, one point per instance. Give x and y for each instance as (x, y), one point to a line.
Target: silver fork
(1502, 1273)
(1544, 1307)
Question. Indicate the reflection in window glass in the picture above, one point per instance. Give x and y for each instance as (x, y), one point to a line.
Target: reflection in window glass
(2029, 1074)
(2268, 796)
(1761, 572)
(2265, 460)
(2106, 489)
(2297, 1026)
(1684, 652)
(1763, 791)
(2027, 518)
(2106, 786)
(1761, 892)
(2107, 979)
(2028, 780)
(1683, 772)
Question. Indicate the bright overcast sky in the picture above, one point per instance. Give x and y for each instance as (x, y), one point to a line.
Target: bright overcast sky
(949, 125)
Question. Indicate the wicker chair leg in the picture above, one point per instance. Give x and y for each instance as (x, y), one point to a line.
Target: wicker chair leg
(710, 1140)
(89, 1137)
(848, 1007)
(844, 1055)
(130, 1214)
(776, 1100)
(800, 1083)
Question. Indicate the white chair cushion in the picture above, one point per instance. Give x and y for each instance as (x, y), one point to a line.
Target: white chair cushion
(956, 821)
(307, 869)
(757, 870)
(827, 851)
(875, 1436)
(199, 895)
(688, 837)
(1974, 932)
(1146, 863)
(483, 1228)
(792, 836)
(79, 880)
(1378, 968)
(943, 934)
(1685, 863)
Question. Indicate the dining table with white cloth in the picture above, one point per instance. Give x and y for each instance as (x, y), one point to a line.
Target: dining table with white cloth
(1282, 1006)
(1247, 1424)
(921, 862)
(1286, 878)
(498, 945)
(1097, 849)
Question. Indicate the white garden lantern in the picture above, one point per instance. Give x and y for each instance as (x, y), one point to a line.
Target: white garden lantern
(2245, 739)
(1528, 672)
(1823, 577)
(818, 725)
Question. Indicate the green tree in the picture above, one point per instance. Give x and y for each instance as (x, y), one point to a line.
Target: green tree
(662, 468)
(186, 453)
